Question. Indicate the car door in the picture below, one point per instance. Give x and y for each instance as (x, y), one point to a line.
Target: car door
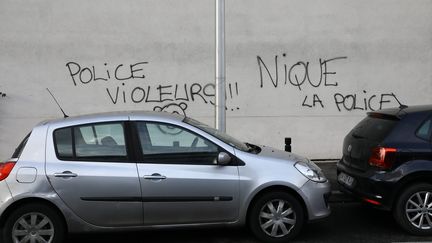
(89, 168)
(180, 181)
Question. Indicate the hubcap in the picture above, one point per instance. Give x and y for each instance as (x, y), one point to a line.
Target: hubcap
(277, 218)
(33, 228)
(418, 210)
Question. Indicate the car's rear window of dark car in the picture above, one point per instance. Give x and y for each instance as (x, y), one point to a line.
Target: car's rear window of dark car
(374, 128)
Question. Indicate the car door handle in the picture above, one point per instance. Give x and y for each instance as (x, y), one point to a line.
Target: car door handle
(155, 176)
(65, 174)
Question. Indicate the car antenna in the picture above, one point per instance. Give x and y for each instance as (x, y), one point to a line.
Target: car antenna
(64, 114)
(401, 106)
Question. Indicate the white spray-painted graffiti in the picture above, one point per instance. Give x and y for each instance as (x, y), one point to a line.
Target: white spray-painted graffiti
(298, 76)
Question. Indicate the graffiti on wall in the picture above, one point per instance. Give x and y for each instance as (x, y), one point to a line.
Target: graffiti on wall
(175, 97)
(317, 81)
(319, 76)
(2, 94)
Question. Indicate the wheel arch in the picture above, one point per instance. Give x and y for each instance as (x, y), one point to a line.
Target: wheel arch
(409, 180)
(274, 188)
(32, 200)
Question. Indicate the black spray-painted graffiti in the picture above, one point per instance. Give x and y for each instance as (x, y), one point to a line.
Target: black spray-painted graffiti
(363, 101)
(162, 93)
(298, 75)
(172, 97)
(2, 94)
(352, 102)
(179, 108)
(119, 72)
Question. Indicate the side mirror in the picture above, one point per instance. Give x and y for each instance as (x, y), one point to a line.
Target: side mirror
(223, 158)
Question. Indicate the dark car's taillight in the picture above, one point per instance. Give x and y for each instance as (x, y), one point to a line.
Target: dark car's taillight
(5, 169)
(383, 157)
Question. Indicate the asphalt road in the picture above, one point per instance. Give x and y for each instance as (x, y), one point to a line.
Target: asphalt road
(350, 221)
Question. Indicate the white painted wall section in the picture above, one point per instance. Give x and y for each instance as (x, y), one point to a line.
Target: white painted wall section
(309, 70)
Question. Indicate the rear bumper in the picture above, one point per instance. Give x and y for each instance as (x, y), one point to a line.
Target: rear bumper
(374, 187)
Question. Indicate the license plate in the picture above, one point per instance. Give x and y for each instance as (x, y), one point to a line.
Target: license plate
(346, 179)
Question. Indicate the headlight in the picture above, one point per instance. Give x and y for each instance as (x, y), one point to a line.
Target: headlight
(311, 171)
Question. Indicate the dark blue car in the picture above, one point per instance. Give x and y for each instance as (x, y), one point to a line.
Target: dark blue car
(387, 162)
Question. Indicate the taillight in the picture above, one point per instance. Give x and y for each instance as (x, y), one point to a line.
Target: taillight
(5, 169)
(382, 157)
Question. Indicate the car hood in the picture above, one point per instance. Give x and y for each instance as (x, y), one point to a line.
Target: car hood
(277, 154)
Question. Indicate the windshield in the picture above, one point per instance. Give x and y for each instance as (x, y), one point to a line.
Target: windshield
(218, 134)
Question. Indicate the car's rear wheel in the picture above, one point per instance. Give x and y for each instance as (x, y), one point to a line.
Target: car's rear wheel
(276, 217)
(34, 223)
(413, 209)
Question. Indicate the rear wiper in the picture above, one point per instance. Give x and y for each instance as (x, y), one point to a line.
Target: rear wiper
(357, 136)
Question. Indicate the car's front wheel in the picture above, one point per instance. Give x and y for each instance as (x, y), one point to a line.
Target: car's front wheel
(34, 223)
(276, 217)
(413, 209)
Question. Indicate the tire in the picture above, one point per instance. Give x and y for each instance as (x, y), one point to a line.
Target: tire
(34, 221)
(413, 209)
(276, 217)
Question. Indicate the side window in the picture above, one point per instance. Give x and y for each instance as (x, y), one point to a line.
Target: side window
(425, 130)
(100, 142)
(164, 139)
(63, 142)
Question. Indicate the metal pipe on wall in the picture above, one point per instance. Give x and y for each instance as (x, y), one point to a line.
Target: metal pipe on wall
(220, 116)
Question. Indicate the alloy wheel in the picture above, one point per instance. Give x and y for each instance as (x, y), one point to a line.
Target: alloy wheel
(277, 218)
(33, 228)
(418, 210)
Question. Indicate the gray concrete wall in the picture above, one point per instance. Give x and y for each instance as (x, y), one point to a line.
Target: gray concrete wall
(336, 60)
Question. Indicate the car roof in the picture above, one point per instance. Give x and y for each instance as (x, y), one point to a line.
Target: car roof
(110, 116)
(399, 112)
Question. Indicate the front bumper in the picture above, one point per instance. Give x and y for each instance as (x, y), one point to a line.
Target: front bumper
(374, 187)
(316, 196)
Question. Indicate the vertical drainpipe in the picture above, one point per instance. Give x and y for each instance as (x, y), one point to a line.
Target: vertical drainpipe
(220, 117)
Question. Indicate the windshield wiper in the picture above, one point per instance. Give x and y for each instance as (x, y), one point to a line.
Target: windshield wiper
(252, 148)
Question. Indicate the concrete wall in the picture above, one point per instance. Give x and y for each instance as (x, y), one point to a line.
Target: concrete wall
(309, 70)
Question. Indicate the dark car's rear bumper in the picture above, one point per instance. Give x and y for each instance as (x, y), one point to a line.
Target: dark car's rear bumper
(373, 187)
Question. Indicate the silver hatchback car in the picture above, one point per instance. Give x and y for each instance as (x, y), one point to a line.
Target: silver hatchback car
(132, 170)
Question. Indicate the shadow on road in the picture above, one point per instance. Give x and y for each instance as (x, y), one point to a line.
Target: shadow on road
(350, 221)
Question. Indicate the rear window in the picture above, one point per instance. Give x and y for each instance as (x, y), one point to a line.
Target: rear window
(373, 128)
(20, 147)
